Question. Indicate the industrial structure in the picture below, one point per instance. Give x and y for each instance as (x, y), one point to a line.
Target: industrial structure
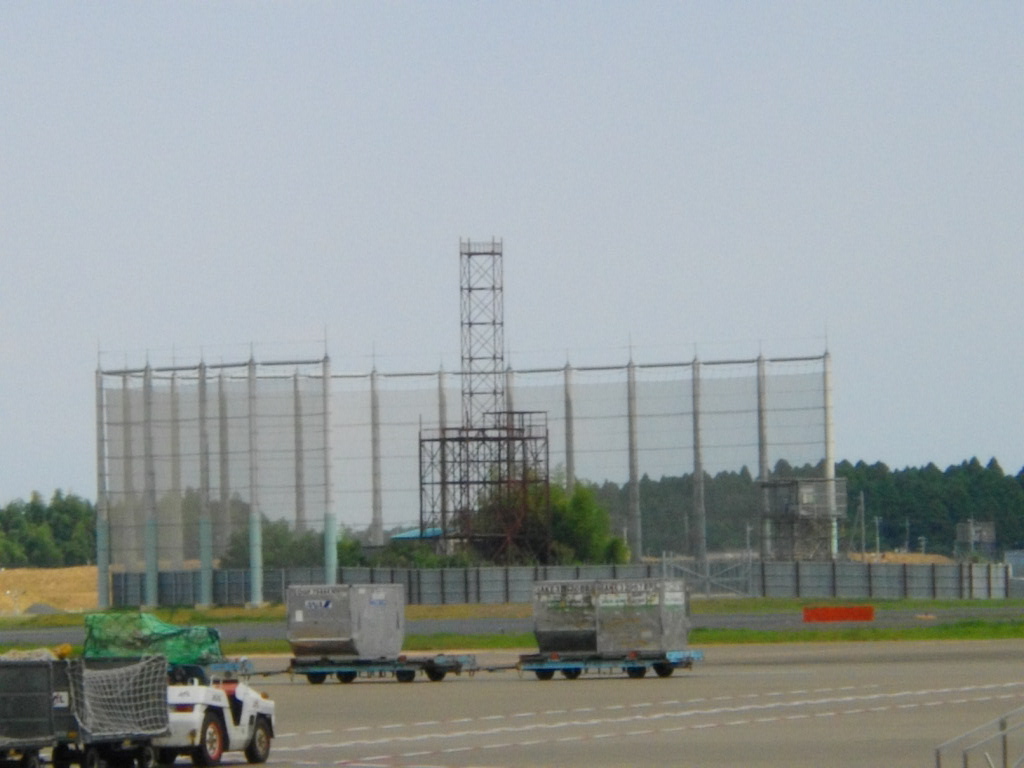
(192, 456)
(802, 517)
(485, 482)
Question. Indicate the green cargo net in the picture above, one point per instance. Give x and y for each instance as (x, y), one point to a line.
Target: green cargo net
(109, 635)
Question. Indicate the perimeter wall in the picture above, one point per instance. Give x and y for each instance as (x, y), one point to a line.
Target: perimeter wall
(438, 586)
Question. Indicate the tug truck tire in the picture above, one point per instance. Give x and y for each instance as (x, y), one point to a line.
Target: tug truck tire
(211, 741)
(258, 748)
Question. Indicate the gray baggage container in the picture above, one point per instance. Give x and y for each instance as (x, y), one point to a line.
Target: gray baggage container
(365, 621)
(27, 705)
(611, 616)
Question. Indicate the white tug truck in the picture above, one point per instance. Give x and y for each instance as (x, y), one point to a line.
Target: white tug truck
(205, 720)
(211, 707)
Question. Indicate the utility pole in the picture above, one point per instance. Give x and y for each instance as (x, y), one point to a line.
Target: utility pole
(878, 544)
(860, 514)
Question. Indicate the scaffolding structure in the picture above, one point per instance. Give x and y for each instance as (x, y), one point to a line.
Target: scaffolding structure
(479, 481)
(483, 333)
(803, 517)
(479, 484)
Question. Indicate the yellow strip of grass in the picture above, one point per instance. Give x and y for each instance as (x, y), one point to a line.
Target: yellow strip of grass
(471, 611)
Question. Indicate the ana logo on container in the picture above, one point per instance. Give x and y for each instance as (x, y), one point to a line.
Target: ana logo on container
(318, 605)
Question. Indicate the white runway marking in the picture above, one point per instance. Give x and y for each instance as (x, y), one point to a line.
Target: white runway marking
(772, 708)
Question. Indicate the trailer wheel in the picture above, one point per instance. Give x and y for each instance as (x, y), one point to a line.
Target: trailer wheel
(166, 756)
(663, 669)
(258, 749)
(146, 756)
(571, 673)
(544, 674)
(636, 672)
(405, 675)
(346, 677)
(211, 741)
(93, 759)
(61, 756)
(316, 677)
(434, 674)
(30, 760)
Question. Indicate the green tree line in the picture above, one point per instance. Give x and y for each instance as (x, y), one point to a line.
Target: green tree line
(578, 531)
(41, 534)
(910, 503)
(588, 527)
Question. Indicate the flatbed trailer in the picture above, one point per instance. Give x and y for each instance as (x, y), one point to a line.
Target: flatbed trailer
(402, 668)
(634, 663)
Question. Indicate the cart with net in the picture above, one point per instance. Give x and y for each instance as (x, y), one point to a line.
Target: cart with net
(93, 717)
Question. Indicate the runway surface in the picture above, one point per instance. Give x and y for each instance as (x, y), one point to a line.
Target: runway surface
(829, 704)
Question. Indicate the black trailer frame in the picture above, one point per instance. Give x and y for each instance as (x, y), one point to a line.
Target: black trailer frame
(633, 663)
(403, 668)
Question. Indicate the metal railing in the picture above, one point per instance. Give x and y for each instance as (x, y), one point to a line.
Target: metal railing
(1000, 743)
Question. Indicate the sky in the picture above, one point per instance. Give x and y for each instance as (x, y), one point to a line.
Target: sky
(183, 180)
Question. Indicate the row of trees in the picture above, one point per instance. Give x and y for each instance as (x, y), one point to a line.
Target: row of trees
(912, 504)
(580, 532)
(62, 532)
(44, 534)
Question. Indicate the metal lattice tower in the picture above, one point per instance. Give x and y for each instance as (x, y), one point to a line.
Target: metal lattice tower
(483, 333)
(479, 481)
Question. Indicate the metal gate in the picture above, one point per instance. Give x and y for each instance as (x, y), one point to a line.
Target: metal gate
(723, 576)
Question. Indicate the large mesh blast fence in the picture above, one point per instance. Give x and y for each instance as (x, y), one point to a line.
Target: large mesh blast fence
(219, 437)
(183, 448)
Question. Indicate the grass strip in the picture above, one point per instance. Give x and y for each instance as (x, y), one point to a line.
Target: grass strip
(186, 616)
(965, 629)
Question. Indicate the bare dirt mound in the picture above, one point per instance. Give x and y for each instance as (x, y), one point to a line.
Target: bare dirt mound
(914, 558)
(64, 589)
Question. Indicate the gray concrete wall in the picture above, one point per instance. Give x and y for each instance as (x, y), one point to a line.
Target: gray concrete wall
(825, 580)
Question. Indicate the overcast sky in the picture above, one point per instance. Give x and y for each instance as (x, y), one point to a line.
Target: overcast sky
(185, 180)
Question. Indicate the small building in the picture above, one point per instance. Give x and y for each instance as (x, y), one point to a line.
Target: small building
(975, 538)
(802, 517)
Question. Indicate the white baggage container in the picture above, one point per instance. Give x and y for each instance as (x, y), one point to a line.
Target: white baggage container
(365, 621)
(611, 616)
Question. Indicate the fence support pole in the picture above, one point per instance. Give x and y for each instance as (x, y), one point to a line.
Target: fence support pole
(102, 508)
(699, 513)
(633, 502)
(762, 460)
(570, 452)
(255, 520)
(150, 540)
(376, 533)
